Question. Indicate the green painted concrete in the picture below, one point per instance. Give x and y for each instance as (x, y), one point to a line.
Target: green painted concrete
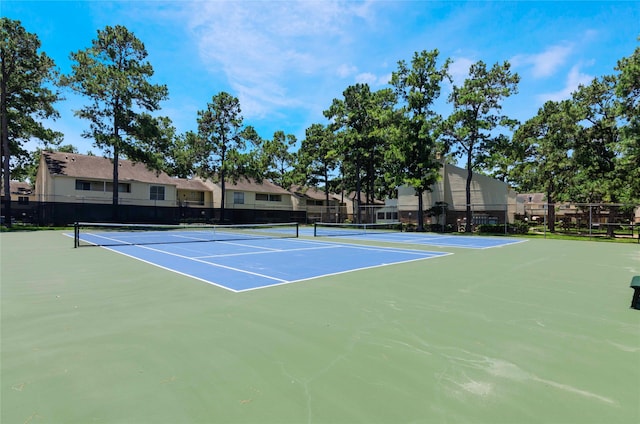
(535, 332)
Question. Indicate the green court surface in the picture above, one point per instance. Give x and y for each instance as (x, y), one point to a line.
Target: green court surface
(536, 332)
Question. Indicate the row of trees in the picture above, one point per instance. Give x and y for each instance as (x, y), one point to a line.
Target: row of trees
(584, 148)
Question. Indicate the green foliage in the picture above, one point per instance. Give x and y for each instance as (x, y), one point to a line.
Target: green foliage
(628, 91)
(219, 148)
(219, 137)
(276, 161)
(414, 151)
(472, 126)
(318, 157)
(543, 150)
(114, 75)
(518, 227)
(26, 97)
(360, 121)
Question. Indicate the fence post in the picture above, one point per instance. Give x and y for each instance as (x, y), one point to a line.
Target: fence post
(506, 219)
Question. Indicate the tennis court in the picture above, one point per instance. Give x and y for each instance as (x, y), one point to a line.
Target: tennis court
(390, 234)
(529, 332)
(243, 257)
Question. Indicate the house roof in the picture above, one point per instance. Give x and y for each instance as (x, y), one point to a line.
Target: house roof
(250, 184)
(353, 196)
(531, 198)
(100, 168)
(312, 193)
(194, 184)
(18, 187)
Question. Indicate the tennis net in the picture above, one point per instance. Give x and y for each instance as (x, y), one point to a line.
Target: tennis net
(108, 234)
(327, 229)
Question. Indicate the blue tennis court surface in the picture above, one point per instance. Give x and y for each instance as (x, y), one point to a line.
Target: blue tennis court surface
(430, 239)
(253, 264)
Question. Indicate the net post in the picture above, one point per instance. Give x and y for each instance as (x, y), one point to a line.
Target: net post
(315, 229)
(76, 235)
(297, 229)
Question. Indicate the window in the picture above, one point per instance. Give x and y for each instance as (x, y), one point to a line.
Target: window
(83, 185)
(238, 198)
(269, 197)
(194, 197)
(156, 193)
(86, 185)
(122, 187)
(23, 200)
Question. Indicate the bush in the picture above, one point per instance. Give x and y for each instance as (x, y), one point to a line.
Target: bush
(515, 228)
(491, 228)
(519, 227)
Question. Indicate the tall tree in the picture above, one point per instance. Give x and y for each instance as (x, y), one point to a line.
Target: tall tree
(277, 159)
(472, 126)
(221, 141)
(415, 148)
(599, 148)
(542, 151)
(628, 90)
(26, 97)
(180, 157)
(318, 156)
(358, 120)
(114, 74)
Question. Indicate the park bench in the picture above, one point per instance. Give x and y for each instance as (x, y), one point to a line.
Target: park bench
(635, 285)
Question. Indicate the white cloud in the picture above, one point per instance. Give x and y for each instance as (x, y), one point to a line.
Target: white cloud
(459, 69)
(546, 63)
(345, 70)
(575, 78)
(269, 50)
(372, 79)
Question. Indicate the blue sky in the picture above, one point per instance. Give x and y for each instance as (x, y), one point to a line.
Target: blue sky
(286, 61)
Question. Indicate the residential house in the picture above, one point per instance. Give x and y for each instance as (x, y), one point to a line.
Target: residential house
(314, 201)
(146, 195)
(22, 196)
(492, 201)
(194, 192)
(20, 191)
(368, 209)
(247, 200)
(75, 178)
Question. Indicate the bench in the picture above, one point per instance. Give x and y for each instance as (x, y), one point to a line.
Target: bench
(635, 285)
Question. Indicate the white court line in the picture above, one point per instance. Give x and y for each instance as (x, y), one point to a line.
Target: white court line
(270, 251)
(320, 245)
(433, 240)
(212, 264)
(213, 283)
(344, 272)
(123, 239)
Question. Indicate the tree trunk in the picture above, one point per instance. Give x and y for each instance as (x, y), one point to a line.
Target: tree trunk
(613, 215)
(6, 153)
(326, 192)
(551, 212)
(116, 164)
(420, 227)
(358, 189)
(469, 213)
(224, 191)
(116, 160)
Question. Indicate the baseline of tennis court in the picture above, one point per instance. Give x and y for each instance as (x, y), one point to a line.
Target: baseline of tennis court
(431, 239)
(253, 264)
